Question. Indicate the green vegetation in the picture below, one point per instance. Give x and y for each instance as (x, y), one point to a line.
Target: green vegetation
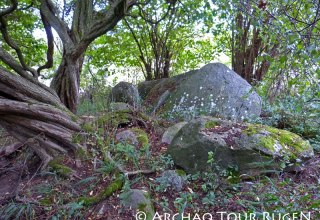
(108, 191)
(142, 136)
(62, 170)
(274, 46)
(211, 124)
(272, 138)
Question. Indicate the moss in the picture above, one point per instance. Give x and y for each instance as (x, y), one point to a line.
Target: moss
(252, 129)
(289, 139)
(142, 136)
(108, 191)
(180, 172)
(291, 143)
(87, 201)
(45, 202)
(114, 119)
(211, 124)
(60, 169)
(268, 142)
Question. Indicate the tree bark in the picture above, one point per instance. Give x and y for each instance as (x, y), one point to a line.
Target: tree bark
(36, 117)
(66, 82)
(87, 25)
(39, 116)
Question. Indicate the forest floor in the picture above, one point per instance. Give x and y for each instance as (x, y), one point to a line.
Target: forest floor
(28, 193)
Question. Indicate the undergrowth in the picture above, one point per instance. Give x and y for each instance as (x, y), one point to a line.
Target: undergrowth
(55, 197)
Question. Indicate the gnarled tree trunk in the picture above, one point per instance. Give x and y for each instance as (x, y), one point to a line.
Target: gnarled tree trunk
(66, 82)
(35, 116)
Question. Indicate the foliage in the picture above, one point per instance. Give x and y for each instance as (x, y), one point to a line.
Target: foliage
(298, 114)
(94, 98)
(288, 31)
(25, 23)
(14, 210)
(156, 42)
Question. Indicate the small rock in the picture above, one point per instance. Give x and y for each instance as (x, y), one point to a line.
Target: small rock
(127, 136)
(138, 200)
(171, 132)
(172, 179)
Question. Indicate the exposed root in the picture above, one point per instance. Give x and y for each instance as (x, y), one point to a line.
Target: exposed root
(108, 191)
(10, 149)
(125, 172)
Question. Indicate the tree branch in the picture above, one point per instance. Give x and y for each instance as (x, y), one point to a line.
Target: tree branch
(12, 43)
(23, 86)
(108, 20)
(125, 172)
(48, 10)
(10, 9)
(11, 62)
(44, 112)
(50, 43)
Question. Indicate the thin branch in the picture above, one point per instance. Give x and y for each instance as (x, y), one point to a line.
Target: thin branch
(107, 20)
(10, 61)
(50, 44)
(14, 45)
(10, 9)
(144, 15)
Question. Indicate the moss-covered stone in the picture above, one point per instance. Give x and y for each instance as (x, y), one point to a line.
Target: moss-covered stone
(138, 200)
(114, 119)
(142, 136)
(278, 141)
(62, 170)
(254, 149)
(108, 191)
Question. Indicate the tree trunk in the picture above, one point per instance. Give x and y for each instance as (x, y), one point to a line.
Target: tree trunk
(66, 81)
(36, 117)
(42, 117)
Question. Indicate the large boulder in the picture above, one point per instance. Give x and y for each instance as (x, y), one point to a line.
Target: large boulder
(212, 90)
(251, 148)
(125, 92)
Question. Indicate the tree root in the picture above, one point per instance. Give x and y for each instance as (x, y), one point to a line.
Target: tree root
(125, 172)
(10, 149)
(108, 191)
